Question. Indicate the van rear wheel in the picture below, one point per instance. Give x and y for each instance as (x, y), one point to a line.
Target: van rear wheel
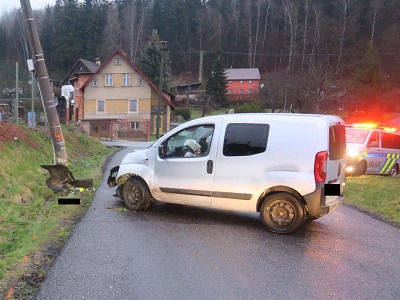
(282, 213)
(136, 195)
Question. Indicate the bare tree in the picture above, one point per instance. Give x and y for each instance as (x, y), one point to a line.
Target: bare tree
(306, 3)
(236, 15)
(317, 33)
(133, 18)
(291, 19)
(265, 30)
(248, 28)
(320, 86)
(346, 6)
(374, 20)
(259, 5)
(111, 31)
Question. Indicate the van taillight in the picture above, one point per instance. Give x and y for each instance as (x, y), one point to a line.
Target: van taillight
(320, 166)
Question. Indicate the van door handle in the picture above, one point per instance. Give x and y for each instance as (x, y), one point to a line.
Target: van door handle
(210, 166)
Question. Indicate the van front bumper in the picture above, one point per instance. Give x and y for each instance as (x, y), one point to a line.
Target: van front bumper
(111, 180)
(317, 204)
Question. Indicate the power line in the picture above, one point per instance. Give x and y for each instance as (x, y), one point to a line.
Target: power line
(282, 54)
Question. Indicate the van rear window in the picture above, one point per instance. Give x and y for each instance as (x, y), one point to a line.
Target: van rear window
(337, 142)
(245, 139)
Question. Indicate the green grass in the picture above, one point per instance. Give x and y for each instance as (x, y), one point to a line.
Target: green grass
(30, 218)
(377, 194)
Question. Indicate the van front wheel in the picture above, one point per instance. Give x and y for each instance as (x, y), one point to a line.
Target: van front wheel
(136, 195)
(282, 213)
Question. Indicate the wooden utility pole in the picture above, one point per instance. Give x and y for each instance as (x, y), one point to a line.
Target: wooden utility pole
(60, 176)
(57, 138)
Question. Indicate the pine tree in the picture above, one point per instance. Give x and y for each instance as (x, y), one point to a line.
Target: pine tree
(370, 71)
(149, 61)
(216, 84)
(47, 35)
(3, 37)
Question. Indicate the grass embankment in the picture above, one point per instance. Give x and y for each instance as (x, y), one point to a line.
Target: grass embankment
(378, 195)
(33, 227)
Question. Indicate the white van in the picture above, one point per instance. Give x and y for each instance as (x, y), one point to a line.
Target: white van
(285, 166)
(372, 149)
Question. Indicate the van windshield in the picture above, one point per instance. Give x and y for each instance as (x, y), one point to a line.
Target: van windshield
(356, 136)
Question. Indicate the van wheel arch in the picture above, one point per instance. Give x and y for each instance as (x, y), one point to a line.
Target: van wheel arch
(278, 189)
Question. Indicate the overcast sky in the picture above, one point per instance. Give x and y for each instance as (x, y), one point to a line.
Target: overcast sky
(8, 5)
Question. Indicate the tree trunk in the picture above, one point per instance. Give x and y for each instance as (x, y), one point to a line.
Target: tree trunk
(305, 33)
(374, 20)
(265, 31)
(139, 33)
(260, 2)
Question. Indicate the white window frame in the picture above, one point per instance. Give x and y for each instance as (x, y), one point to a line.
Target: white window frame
(140, 82)
(136, 125)
(109, 79)
(95, 82)
(137, 106)
(250, 91)
(104, 106)
(241, 81)
(241, 91)
(250, 81)
(126, 79)
(117, 61)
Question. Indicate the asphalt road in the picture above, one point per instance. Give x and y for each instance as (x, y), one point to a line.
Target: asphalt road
(177, 252)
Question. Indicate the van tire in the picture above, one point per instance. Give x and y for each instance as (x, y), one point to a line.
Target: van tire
(136, 195)
(282, 213)
(394, 171)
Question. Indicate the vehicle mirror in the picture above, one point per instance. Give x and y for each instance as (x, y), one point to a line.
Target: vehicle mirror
(161, 151)
(373, 144)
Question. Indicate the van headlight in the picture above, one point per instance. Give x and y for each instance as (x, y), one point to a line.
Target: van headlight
(353, 153)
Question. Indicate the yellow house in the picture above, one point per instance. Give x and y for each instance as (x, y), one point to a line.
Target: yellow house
(121, 102)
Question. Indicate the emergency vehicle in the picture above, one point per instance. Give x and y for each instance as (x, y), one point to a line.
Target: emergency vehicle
(372, 149)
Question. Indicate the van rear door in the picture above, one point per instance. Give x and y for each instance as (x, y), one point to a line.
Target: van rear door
(336, 158)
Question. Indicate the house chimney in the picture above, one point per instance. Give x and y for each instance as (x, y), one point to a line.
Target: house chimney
(98, 61)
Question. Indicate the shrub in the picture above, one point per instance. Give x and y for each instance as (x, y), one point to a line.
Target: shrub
(184, 112)
(249, 107)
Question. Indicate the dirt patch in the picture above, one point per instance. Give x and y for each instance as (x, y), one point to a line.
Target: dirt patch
(10, 132)
(37, 266)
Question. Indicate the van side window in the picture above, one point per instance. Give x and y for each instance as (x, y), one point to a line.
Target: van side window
(390, 141)
(191, 142)
(245, 139)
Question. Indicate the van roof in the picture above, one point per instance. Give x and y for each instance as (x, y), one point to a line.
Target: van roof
(241, 116)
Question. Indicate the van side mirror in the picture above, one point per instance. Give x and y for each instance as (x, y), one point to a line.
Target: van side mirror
(374, 144)
(162, 153)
